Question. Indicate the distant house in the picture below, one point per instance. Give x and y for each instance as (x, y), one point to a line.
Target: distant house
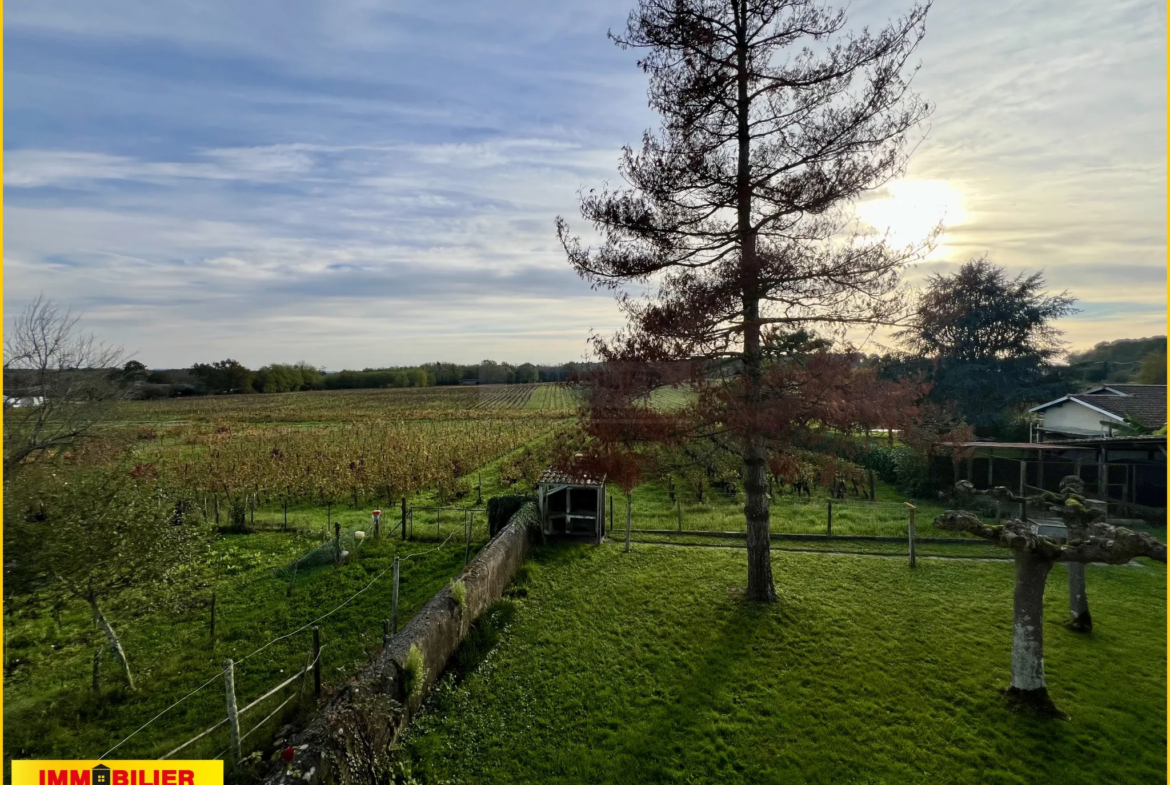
(1098, 411)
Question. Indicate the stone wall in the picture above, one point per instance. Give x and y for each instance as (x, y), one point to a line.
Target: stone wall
(349, 739)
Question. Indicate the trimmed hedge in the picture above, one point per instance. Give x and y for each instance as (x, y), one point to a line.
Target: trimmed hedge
(500, 510)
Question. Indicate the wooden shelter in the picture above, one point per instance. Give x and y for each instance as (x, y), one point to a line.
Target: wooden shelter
(572, 504)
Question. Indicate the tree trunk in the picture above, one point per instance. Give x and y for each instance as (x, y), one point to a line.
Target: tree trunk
(1028, 686)
(1078, 599)
(755, 481)
(115, 644)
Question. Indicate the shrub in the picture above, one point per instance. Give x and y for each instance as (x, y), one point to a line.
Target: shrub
(414, 672)
(459, 594)
(500, 510)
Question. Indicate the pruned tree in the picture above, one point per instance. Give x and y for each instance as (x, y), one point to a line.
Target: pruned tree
(1034, 556)
(1069, 505)
(774, 119)
(59, 382)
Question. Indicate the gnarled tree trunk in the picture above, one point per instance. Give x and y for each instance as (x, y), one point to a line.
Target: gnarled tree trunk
(1078, 599)
(1028, 629)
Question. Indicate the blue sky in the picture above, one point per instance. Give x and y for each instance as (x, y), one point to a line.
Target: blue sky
(358, 183)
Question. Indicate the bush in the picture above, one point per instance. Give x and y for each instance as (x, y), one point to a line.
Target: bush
(414, 672)
(501, 509)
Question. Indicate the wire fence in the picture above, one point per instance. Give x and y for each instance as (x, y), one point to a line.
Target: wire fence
(232, 667)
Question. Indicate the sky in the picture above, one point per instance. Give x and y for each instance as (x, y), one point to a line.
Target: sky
(360, 184)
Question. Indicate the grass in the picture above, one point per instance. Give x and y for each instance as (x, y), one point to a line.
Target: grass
(49, 712)
(649, 667)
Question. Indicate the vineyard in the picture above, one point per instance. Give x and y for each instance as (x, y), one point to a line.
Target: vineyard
(415, 403)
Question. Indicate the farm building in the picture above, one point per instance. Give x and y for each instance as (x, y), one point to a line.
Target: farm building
(572, 504)
(1100, 410)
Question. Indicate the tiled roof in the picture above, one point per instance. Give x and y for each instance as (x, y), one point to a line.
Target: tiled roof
(556, 477)
(1146, 403)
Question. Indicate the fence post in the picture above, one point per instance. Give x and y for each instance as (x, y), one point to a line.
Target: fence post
(913, 556)
(467, 543)
(629, 513)
(611, 515)
(337, 541)
(385, 633)
(438, 526)
(678, 504)
(404, 517)
(213, 620)
(377, 525)
(394, 602)
(872, 488)
(233, 715)
(830, 518)
(316, 662)
(479, 487)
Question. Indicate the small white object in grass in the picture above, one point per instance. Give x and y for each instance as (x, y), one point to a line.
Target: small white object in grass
(359, 536)
(344, 554)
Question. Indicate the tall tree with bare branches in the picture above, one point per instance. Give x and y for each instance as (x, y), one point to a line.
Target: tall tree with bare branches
(59, 382)
(733, 230)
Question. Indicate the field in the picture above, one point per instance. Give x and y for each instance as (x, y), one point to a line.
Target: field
(648, 667)
(436, 446)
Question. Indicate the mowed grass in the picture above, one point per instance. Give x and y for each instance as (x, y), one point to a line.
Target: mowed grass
(649, 667)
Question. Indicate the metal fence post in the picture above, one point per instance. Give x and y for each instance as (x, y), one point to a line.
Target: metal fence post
(830, 518)
(913, 556)
(233, 714)
(394, 602)
(629, 514)
(678, 504)
(404, 517)
(611, 515)
(316, 662)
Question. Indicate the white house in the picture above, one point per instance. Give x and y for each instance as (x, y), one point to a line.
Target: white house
(1096, 412)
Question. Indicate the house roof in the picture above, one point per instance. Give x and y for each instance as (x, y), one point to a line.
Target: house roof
(1146, 403)
(557, 477)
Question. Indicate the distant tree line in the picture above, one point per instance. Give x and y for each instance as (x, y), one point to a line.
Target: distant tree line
(230, 377)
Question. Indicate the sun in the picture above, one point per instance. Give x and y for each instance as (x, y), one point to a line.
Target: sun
(912, 209)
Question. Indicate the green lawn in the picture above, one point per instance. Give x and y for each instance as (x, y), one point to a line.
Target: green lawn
(649, 667)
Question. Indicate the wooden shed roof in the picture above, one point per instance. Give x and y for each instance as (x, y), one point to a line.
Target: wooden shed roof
(557, 477)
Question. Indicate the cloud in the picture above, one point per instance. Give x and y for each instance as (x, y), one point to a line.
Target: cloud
(360, 182)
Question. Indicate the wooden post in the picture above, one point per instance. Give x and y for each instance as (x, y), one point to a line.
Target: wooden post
(611, 514)
(830, 518)
(1023, 474)
(337, 541)
(316, 661)
(872, 490)
(913, 555)
(233, 714)
(629, 514)
(377, 527)
(467, 544)
(385, 633)
(404, 517)
(213, 620)
(479, 487)
(394, 601)
(678, 504)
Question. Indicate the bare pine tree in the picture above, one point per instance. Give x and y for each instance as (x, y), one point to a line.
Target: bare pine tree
(774, 119)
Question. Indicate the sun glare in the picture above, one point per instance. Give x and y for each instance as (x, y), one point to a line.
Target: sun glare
(912, 209)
